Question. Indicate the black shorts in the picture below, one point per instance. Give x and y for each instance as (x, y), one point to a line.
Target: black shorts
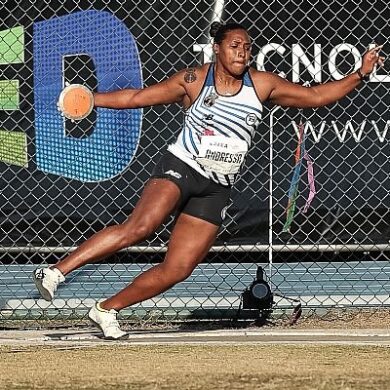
(200, 197)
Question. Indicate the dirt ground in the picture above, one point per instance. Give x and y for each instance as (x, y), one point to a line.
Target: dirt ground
(269, 367)
(347, 319)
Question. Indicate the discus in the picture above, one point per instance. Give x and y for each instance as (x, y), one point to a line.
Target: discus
(75, 102)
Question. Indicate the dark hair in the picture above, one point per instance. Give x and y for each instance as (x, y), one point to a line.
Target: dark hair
(219, 30)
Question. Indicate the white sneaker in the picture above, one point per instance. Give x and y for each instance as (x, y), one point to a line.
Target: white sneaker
(47, 281)
(107, 322)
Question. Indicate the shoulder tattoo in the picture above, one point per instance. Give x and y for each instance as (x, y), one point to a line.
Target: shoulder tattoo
(190, 75)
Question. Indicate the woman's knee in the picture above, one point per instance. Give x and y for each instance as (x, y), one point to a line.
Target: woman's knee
(178, 272)
(131, 233)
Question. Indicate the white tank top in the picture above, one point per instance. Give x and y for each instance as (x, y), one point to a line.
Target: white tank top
(218, 130)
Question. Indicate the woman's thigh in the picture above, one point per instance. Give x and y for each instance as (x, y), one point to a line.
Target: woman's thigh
(190, 241)
(158, 200)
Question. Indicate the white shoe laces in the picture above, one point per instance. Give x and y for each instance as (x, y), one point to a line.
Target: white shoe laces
(112, 321)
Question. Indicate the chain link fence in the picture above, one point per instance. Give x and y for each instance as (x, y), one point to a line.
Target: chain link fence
(61, 182)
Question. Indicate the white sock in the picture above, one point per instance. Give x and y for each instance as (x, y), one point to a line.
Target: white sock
(101, 309)
(61, 277)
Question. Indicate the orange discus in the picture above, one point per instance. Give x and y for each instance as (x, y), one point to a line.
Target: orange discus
(76, 102)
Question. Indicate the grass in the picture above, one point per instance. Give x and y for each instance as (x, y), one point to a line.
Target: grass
(221, 367)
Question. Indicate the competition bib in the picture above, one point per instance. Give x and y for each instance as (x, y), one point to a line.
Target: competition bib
(222, 154)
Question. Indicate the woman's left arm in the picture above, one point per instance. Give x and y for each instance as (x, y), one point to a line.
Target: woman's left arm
(287, 94)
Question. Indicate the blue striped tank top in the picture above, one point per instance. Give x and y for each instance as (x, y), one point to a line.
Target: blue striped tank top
(212, 115)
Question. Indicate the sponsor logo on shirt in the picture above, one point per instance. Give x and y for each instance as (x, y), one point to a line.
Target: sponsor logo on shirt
(251, 120)
(171, 172)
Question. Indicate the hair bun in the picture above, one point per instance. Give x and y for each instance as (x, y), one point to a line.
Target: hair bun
(215, 26)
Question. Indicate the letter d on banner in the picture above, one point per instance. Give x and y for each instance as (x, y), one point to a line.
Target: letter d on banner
(112, 143)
